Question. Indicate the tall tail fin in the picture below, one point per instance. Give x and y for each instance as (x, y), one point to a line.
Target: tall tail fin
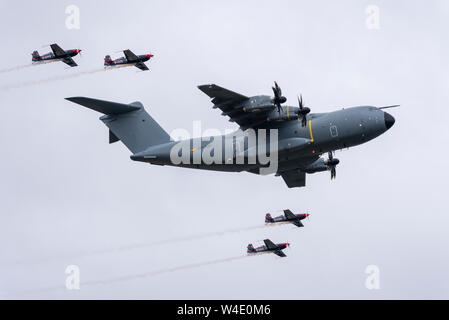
(129, 123)
(268, 218)
(36, 56)
(108, 61)
(250, 248)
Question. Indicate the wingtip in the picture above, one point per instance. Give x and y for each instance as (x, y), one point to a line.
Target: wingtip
(73, 99)
(206, 85)
(78, 100)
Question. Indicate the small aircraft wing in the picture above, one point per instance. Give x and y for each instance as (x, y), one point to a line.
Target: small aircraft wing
(141, 66)
(57, 50)
(130, 56)
(294, 178)
(279, 253)
(289, 215)
(270, 245)
(297, 223)
(69, 61)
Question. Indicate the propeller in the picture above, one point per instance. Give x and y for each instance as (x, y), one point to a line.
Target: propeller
(303, 111)
(278, 98)
(308, 215)
(332, 162)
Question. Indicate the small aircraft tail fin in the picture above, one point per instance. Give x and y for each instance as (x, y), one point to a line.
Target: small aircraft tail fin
(36, 56)
(129, 123)
(108, 61)
(268, 218)
(251, 248)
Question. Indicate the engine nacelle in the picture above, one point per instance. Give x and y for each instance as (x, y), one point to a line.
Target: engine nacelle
(257, 103)
(286, 113)
(317, 166)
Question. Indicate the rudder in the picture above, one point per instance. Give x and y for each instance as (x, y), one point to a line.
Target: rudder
(108, 61)
(36, 56)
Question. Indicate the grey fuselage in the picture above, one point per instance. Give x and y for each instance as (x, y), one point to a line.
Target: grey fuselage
(298, 147)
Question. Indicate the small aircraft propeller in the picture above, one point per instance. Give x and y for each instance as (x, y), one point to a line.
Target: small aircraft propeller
(332, 162)
(308, 215)
(278, 98)
(303, 111)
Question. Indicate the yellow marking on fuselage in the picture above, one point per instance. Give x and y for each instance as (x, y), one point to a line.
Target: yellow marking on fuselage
(310, 128)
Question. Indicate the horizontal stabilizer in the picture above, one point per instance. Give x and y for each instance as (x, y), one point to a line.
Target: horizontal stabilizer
(103, 106)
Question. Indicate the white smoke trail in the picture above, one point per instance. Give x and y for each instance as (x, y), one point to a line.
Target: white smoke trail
(57, 78)
(133, 276)
(135, 246)
(162, 271)
(16, 68)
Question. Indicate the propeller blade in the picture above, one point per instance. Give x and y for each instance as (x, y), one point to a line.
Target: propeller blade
(278, 98)
(333, 173)
(303, 111)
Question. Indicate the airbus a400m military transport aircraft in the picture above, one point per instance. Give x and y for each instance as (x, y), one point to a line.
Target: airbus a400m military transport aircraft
(302, 137)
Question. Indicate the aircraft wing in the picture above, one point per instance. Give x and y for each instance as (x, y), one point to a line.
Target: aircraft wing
(57, 50)
(141, 66)
(230, 103)
(270, 245)
(294, 178)
(69, 61)
(297, 223)
(279, 253)
(130, 56)
(234, 105)
(289, 215)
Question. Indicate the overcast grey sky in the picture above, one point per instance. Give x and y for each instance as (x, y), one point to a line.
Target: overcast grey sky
(65, 192)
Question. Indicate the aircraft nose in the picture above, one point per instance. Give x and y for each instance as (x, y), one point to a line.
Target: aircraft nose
(389, 120)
